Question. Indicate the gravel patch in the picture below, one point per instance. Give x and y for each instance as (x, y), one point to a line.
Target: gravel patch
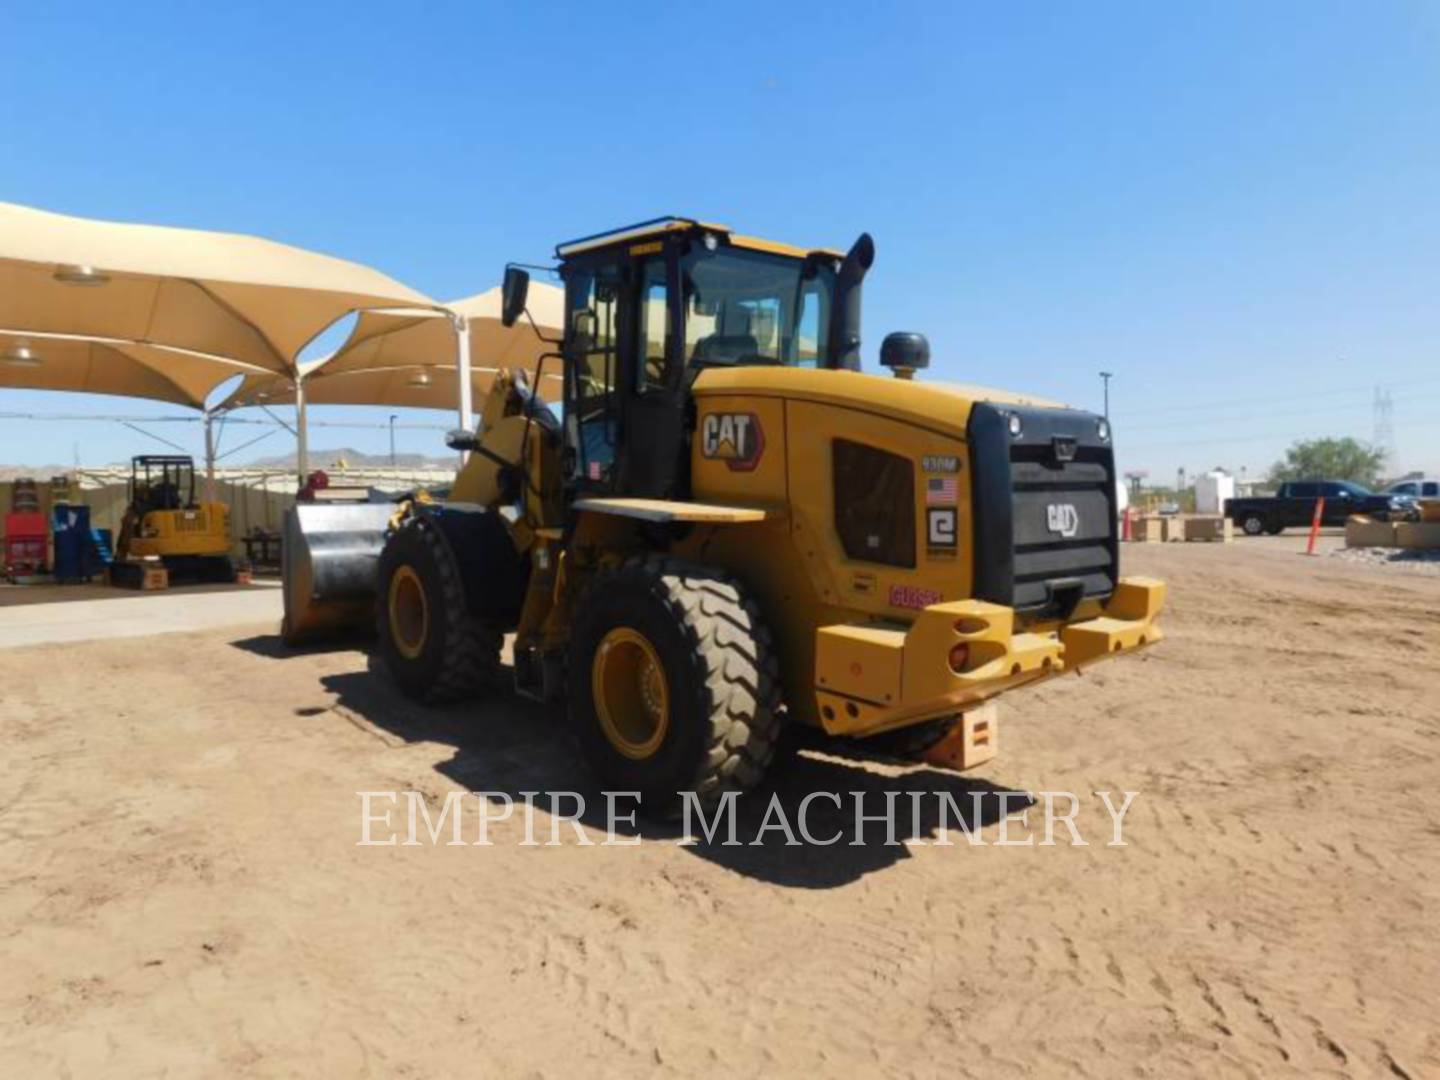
(1419, 560)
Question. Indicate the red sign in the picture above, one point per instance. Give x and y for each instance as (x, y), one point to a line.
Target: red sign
(912, 596)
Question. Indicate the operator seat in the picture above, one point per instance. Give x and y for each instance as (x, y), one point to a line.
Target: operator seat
(732, 341)
(726, 348)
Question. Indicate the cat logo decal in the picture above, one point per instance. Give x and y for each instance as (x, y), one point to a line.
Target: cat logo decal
(734, 438)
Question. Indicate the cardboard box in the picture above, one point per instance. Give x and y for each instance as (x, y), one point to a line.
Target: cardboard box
(1362, 531)
(1421, 534)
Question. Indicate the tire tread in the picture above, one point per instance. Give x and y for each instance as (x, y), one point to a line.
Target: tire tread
(470, 663)
(740, 674)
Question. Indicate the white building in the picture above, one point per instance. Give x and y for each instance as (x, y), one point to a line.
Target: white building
(1212, 490)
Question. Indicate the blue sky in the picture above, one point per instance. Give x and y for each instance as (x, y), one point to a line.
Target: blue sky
(1233, 207)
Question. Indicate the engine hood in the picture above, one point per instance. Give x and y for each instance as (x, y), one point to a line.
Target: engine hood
(936, 405)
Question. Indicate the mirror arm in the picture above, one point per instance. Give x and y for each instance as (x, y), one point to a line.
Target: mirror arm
(557, 342)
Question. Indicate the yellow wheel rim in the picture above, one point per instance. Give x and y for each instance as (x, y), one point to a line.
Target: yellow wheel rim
(632, 696)
(409, 613)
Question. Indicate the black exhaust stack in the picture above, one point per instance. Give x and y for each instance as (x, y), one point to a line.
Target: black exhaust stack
(845, 314)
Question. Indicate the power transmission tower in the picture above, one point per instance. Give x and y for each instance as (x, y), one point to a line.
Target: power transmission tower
(1384, 438)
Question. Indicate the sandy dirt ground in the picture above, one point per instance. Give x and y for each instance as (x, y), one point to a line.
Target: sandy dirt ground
(32, 615)
(183, 893)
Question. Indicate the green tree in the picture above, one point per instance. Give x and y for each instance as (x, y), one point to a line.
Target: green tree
(1330, 459)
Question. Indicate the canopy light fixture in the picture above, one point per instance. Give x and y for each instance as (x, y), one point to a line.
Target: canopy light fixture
(21, 356)
(420, 379)
(80, 275)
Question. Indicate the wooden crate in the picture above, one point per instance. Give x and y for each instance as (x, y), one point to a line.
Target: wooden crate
(1424, 535)
(1210, 527)
(974, 740)
(1149, 529)
(135, 574)
(1362, 531)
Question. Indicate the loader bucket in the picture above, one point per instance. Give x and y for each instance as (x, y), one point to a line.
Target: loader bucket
(329, 558)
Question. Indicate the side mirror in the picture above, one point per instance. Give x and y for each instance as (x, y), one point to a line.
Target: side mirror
(512, 295)
(905, 353)
(460, 439)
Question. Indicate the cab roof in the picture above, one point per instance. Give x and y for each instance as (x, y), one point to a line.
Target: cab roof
(658, 228)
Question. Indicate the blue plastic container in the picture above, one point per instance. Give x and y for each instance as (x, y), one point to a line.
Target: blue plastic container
(74, 546)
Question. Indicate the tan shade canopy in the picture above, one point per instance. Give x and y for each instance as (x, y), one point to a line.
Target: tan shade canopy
(414, 386)
(39, 362)
(407, 357)
(384, 339)
(223, 294)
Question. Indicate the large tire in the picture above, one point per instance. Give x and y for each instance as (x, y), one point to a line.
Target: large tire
(718, 719)
(1254, 524)
(435, 650)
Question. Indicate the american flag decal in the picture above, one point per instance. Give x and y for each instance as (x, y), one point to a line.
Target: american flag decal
(942, 490)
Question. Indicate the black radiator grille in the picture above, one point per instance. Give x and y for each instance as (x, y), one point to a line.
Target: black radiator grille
(1045, 525)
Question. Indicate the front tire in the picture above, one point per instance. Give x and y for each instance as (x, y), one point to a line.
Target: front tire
(435, 650)
(673, 683)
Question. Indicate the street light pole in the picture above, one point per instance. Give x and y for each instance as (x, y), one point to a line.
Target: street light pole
(1105, 377)
(392, 440)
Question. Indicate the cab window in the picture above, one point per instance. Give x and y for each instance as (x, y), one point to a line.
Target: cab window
(591, 326)
(752, 307)
(653, 329)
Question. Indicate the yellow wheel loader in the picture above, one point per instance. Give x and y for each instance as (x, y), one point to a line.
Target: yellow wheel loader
(163, 519)
(729, 527)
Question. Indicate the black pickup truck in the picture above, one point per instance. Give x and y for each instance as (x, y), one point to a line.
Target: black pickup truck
(1294, 505)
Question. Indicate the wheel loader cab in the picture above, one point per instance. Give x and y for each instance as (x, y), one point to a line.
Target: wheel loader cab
(650, 307)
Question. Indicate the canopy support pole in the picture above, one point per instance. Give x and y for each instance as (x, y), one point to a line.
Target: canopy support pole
(462, 374)
(302, 435)
(209, 456)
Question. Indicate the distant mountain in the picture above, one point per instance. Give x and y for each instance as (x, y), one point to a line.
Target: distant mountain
(32, 472)
(355, 459)
(319, 459)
